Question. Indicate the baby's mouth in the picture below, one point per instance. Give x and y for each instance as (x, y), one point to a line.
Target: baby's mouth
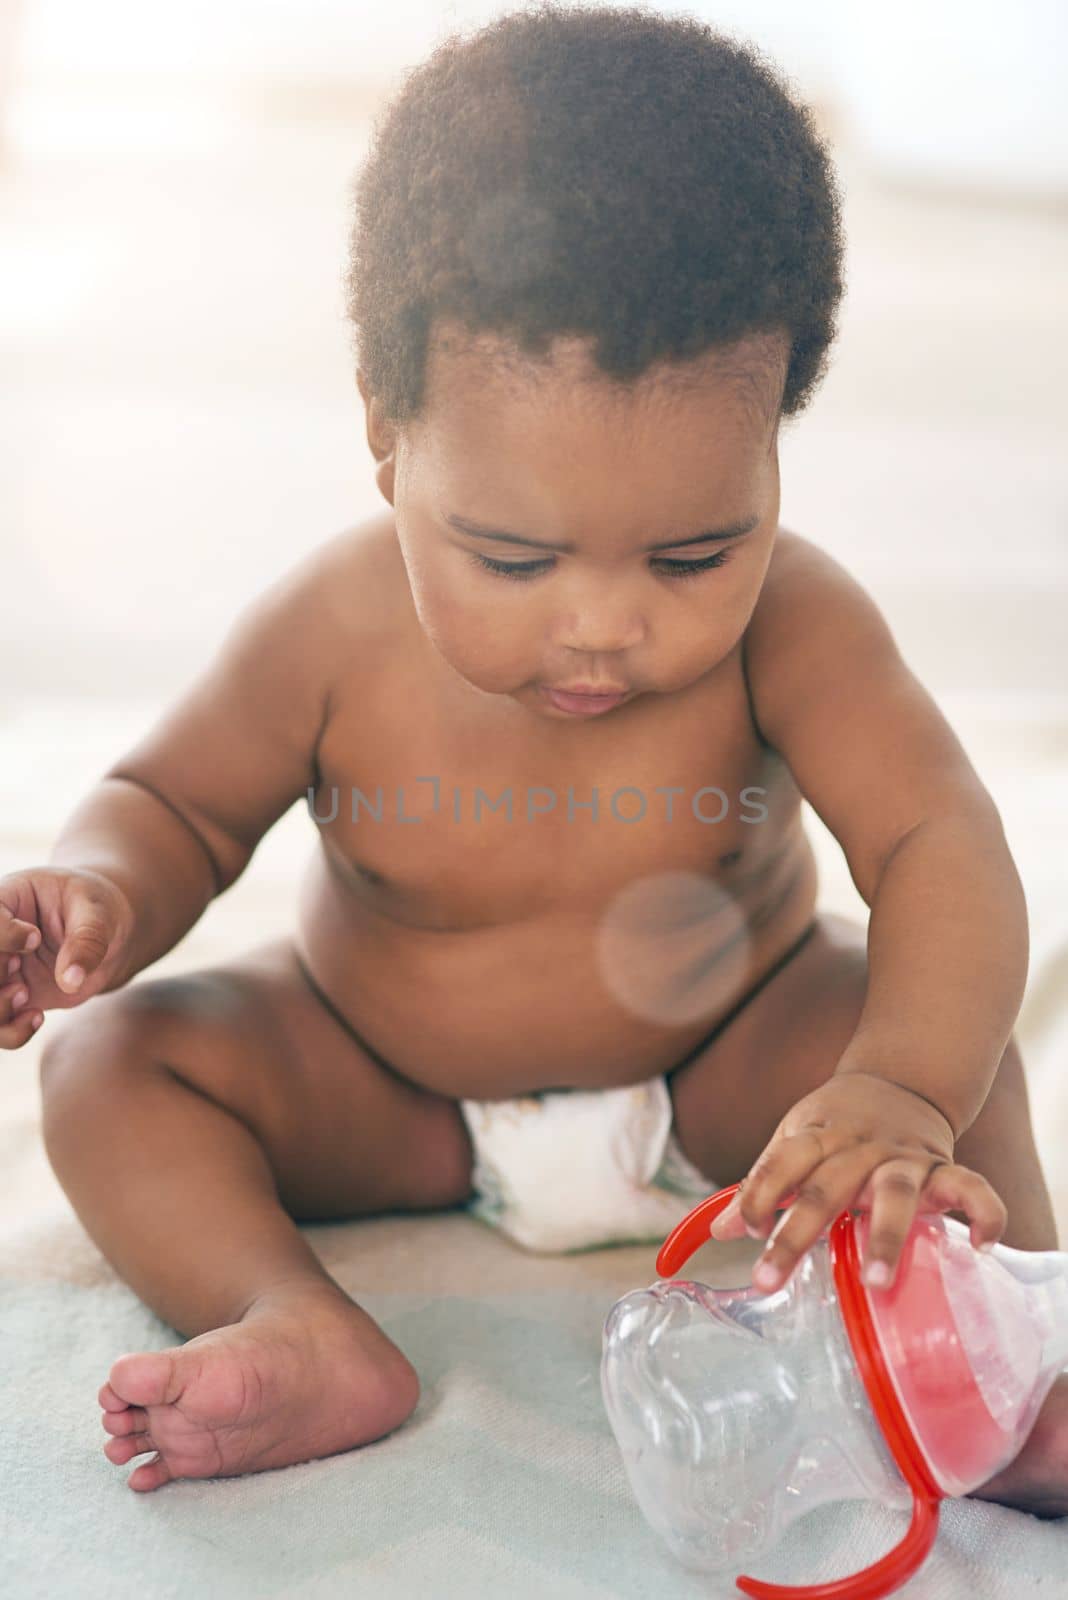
(582, 703)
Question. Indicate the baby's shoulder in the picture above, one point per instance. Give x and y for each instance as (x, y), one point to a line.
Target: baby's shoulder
(346, 591)
(331, 610)
(355, 571)
(792, 556)
(813, 623)
(805, 586)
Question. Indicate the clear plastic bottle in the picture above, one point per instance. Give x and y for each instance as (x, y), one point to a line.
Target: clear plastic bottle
(737, 1412)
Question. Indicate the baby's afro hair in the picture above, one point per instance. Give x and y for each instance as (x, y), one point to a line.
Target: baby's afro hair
(612, 173)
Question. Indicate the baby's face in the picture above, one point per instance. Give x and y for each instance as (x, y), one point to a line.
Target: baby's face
(576, 479)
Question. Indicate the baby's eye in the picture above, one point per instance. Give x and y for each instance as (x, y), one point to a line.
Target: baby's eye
(662, 564)
(686, 569)
(510, 569)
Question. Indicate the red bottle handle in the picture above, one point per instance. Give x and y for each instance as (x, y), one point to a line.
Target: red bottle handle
(898, 1565)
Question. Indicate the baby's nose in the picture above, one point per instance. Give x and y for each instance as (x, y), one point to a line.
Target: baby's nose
(600, 629)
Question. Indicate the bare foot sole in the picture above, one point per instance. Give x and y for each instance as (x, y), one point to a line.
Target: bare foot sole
(1037, 1481)
(305, 1373)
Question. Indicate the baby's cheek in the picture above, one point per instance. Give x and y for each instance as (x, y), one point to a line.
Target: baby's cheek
(494, 647)
(441, 616)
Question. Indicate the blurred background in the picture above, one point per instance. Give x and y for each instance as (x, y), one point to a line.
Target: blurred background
(181, 420)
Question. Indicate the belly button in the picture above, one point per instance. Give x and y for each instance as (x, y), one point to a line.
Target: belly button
(730, 858)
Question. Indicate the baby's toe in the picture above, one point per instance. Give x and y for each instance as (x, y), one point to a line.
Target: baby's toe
(122, 1450)
(132, 1419)
(150, 1379)
(108, 1400)
(149, 1475)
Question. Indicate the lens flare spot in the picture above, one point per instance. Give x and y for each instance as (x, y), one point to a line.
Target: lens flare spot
(673, 947)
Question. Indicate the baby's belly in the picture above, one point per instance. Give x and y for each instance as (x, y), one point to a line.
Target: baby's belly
(559, 1000)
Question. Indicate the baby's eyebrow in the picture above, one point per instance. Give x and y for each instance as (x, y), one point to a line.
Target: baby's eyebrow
(478, 530)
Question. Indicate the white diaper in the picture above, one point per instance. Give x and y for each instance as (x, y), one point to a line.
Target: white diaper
(572, 1169)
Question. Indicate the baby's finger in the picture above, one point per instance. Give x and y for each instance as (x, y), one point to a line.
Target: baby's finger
(729, 1223)
(896, 1187)
(13, 996)
(16, 934)
(955, 1188)
(87, 937)
(17, 1026)
(779, 1170)
(827, 1190)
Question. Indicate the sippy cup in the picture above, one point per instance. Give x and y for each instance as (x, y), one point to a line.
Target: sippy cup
(737, 1412)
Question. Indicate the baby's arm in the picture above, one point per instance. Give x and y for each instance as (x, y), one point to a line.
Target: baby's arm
(872, 753)
(175, 821)
(947, 936)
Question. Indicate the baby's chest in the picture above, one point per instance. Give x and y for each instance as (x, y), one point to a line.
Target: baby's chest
(440, 829)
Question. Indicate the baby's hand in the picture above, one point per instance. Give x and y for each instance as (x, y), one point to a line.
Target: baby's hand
(53, 919)
(858, 1141)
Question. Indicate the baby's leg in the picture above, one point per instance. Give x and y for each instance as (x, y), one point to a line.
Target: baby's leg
(190, 1119)
(731, 1097)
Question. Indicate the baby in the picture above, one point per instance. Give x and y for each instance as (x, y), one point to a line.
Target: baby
(553, 713)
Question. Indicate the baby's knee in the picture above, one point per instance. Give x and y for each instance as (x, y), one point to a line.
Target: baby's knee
(99, 1053)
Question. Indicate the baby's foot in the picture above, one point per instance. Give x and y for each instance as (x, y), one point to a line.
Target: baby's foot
(1037, 1481)
(304, 1374)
